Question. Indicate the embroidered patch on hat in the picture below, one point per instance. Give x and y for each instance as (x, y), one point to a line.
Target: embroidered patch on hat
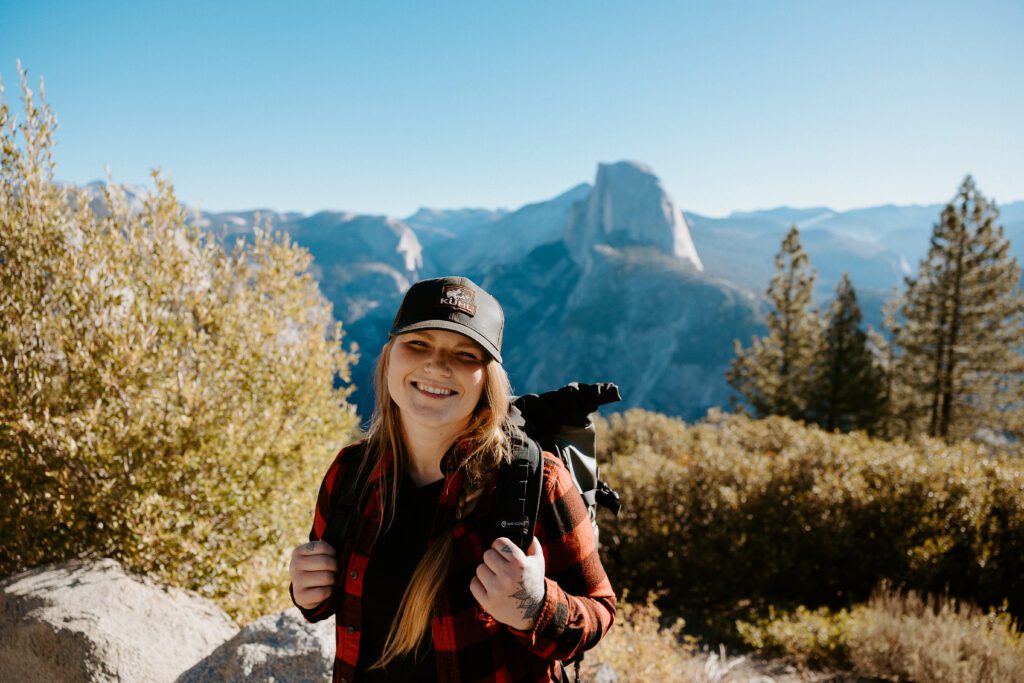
(459, 297)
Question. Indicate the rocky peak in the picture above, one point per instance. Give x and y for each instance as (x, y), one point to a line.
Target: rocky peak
(629, 207)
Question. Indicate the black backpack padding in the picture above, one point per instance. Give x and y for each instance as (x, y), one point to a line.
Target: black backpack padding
(518, 493)
(562, 423)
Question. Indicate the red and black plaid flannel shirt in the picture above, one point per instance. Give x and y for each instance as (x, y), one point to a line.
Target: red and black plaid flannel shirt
(470, 645)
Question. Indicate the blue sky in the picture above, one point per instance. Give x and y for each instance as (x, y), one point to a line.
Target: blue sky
(383, 107)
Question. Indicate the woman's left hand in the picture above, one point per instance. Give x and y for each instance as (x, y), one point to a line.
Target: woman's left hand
(509, 584)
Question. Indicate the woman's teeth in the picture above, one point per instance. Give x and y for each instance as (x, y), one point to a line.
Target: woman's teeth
(436, 391)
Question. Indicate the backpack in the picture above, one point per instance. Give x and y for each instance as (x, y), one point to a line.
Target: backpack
(559, 422)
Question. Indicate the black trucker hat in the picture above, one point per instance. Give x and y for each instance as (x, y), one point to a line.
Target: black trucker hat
(453, 303)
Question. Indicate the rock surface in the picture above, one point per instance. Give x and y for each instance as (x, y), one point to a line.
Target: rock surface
(629, 207)
(635, 316)
(91, 621)
(278, 647)
(512, 237)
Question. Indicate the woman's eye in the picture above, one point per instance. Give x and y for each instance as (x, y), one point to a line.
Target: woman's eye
(465, 355)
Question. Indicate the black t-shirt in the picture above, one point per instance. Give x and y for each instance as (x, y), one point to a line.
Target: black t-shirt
(395, 556)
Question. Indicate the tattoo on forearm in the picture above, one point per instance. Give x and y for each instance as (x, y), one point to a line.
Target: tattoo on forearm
(526, 602)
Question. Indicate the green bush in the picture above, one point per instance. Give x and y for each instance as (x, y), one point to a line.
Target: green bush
(806, 637)
(162, 402)
(774, 512)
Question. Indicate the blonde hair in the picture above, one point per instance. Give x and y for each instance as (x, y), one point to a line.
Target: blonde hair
(481, 447)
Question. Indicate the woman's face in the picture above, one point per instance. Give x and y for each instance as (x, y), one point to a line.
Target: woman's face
(436, 377)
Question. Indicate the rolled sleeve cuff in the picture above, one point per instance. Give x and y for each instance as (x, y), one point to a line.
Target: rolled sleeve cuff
(318, 613)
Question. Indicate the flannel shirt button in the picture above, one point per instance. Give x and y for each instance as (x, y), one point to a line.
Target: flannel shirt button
(353, 575)
(351, 630)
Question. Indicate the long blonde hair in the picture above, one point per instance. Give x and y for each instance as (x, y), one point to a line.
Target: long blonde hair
(481, 447)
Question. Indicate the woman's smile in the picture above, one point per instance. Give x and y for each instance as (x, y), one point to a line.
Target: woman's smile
(434, 390)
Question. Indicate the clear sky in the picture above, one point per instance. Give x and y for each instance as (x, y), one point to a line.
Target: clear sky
(383, 107)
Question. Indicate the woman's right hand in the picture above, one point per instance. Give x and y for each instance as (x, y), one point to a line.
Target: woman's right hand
(313, 568)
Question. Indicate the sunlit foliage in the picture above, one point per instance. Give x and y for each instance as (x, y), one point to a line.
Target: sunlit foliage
(162, 401)
(774, 512)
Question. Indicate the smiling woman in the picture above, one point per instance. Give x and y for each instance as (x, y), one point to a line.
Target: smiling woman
(419, 592)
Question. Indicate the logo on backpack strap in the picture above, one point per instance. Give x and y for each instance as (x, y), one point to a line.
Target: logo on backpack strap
(458, 297)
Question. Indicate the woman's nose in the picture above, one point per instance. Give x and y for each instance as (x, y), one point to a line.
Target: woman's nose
(439, 361)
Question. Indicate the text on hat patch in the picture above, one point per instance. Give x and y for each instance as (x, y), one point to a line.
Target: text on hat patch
(459, 298)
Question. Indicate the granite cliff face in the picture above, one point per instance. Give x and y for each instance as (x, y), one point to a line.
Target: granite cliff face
(495, 239)
(360, 261)
(634, 316)
(621, 296)
(629, 207)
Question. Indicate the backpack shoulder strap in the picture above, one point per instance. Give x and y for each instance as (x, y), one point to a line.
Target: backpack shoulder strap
(517, 498)
(345, 501)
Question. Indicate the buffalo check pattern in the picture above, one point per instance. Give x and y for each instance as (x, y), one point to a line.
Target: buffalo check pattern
(470, 645)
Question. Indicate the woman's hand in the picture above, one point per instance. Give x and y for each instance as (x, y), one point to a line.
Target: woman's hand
(510, 584)
(313, 567)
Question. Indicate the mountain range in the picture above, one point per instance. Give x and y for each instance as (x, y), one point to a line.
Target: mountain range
(609, 281)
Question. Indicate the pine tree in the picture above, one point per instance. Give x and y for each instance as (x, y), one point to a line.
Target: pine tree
(848, 391)
(897, 404)
(964, 325)
(775, 373)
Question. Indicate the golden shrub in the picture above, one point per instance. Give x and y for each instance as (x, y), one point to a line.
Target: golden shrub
(933, 640)
(897, 636)
(776, 512)
(162, 401)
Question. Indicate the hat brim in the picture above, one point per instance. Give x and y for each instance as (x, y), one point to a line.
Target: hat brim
(451, 327)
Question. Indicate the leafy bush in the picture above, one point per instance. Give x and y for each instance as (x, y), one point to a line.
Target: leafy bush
(807, 637)
(774, 512)
(897, 636)
(162, 402)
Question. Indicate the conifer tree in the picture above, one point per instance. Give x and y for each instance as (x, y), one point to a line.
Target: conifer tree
(963, 328)
(775, 373)
(848, 391)
(897, 402)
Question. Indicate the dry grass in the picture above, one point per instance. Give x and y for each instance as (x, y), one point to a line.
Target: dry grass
(897, 636)
(638, 649)
(906, 637)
